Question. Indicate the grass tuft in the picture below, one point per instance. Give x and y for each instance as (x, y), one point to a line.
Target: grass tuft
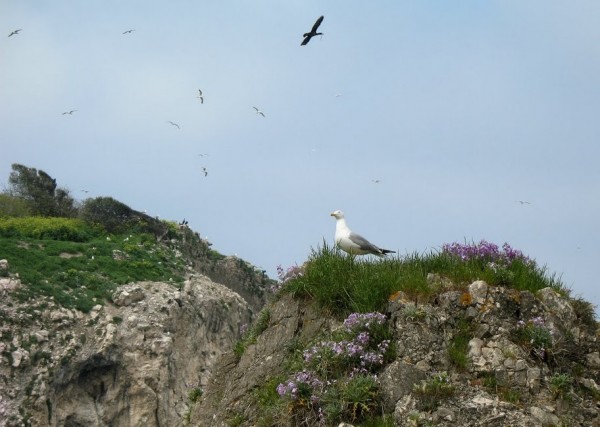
(344, 284)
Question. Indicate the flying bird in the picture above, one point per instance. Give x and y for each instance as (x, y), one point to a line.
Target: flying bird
(128, 31)
(69, 112)
(174, 124)
(259, 112)
(14, 32)
(200, 96)
(523, 202)
(353, 243)
(376, 181)
(205, 171)
(313, 32)
(202, 155)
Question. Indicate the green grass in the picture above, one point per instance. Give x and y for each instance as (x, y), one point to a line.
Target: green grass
(560, 385)
(47, 228)
(344, 284)
(73, 262)
(459, 345)
(434, 391)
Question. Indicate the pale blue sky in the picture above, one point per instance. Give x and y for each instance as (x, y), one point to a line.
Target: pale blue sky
(460, 109)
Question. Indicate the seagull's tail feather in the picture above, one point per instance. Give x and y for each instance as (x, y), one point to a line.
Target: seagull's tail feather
(387, 251)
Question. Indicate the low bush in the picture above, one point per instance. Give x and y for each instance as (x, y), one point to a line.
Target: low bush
(66, 229)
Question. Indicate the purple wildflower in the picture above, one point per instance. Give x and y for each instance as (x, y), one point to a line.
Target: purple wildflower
(486, 251)
(361, 321)
(285, 276)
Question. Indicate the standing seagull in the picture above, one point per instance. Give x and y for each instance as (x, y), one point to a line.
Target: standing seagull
(200, 96)
(353, 243)
(313, 32)
(259, 112)
(69, 112)
(174, 124)
(14, 32)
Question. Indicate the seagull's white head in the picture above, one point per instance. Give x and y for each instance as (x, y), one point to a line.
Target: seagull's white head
(337, 214)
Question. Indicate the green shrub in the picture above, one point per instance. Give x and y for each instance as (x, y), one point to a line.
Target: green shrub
(40, 192)
(459, 345)
(114, 216)
(560, 385)
(195, 394)
(12, 206)
(66, 229)
(433, 391)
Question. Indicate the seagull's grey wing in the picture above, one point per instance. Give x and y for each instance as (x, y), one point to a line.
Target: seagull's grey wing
(314, 28)
(364, 244)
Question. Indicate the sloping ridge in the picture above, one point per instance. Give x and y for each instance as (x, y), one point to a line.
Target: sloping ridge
(505, 380)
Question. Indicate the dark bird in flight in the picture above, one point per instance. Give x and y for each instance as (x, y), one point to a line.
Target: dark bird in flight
(174, 124)
(259, 112)
(128, 31)
(205, 171)
(14, 32)
(523, 202)
(200, 96)
(313, 32)
(69, 112)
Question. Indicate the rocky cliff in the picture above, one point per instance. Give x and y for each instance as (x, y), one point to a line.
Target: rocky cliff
(442, 351)
(144, 352)
(138, 361)
(482, 356)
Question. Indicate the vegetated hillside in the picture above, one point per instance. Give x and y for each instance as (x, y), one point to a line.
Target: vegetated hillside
(111, 318)
(78, 252)
(474, 335)
(79, 263)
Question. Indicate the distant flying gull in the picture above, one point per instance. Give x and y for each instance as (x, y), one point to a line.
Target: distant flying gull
(200, 96)
(523, 202)
(337, 95)
(69, 112)
(174, 124)
(353, 243)
(128, 31)
(14, 32)
(259, 112)
(202, 155)
(85, 191)
(205, 171)
(313, 32)
(376, 181)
